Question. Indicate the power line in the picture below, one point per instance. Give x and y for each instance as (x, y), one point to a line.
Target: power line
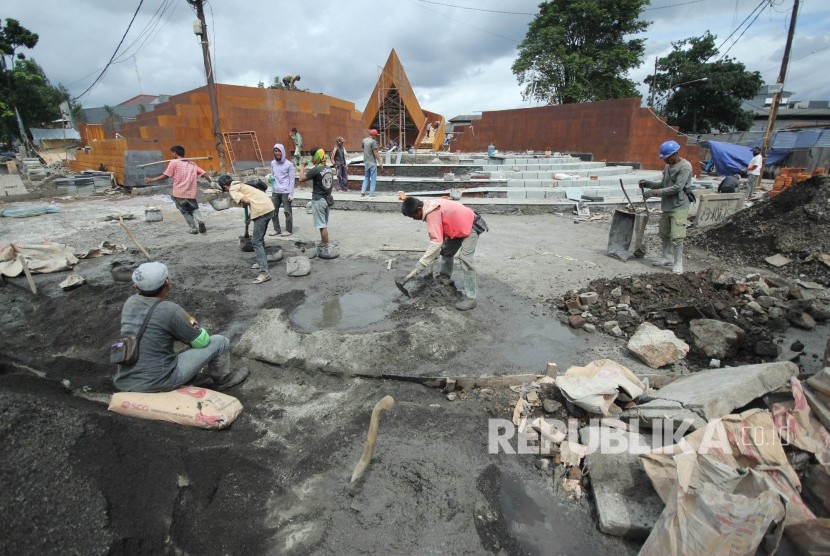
(124, 36)
(512, 40)
(672, 5)
(761, 3)
(482, 9)
(741, 35)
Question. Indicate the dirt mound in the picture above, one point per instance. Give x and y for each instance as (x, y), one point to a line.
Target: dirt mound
(671, 301)
(795, 223)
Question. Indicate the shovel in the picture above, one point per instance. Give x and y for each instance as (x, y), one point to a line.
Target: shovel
(245, 243)
(407, 278)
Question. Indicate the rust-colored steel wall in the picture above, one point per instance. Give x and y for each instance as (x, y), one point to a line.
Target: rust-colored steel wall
(271, 113)
(613, 130)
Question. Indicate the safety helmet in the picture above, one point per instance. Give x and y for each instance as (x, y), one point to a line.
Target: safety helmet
(668, 148)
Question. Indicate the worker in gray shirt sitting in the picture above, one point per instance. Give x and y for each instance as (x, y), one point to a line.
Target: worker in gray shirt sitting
(159, 368)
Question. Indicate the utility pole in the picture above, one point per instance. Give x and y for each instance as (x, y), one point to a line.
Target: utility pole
(200, 29)
(782, 75)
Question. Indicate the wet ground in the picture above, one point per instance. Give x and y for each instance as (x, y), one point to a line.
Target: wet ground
(276, 482)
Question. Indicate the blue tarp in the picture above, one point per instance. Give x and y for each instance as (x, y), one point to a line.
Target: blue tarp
(730, 158)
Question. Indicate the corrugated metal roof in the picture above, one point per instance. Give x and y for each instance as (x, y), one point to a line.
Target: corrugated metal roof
(39, 135)
(784, 139)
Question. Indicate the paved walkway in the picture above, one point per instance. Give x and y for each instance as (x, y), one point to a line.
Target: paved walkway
(11, 184)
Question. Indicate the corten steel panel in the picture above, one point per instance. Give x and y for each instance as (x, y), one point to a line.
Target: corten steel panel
(244, 109)
(614, 130)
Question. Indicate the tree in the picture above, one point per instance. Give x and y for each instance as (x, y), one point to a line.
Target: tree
(23, 84)
(12, 37)
(577, 51)
(277, 84)
(700, 95)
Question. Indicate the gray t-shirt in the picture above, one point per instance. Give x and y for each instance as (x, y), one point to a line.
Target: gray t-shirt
(369, 146)
(156, 354)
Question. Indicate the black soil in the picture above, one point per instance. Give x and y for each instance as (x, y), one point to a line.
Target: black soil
(795, 223)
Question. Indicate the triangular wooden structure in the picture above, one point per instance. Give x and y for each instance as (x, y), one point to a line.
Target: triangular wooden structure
(393, 108)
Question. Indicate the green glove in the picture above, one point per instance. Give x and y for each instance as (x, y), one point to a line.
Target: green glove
(203, 340)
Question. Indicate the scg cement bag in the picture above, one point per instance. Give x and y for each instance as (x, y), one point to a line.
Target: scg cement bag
(194, 407)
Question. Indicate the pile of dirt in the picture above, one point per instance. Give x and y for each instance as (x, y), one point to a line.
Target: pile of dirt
(795, 223)
(763, 307)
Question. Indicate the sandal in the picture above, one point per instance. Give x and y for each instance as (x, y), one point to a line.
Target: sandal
(262, 278)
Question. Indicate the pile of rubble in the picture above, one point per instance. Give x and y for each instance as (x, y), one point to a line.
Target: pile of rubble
(794, 225)
(717, 315)
(736, 457)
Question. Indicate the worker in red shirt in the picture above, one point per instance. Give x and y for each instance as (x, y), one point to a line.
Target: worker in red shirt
(453, 230)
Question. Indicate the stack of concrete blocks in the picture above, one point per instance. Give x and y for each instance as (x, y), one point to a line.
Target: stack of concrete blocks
(536, 177)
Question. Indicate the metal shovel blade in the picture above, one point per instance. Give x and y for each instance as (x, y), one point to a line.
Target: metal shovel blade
(403, 289)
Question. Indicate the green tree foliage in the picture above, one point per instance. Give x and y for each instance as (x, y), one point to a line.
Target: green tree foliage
(580, 51)
(704, 105)
(23, 84)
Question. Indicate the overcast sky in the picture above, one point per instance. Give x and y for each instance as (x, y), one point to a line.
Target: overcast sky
(456, 53)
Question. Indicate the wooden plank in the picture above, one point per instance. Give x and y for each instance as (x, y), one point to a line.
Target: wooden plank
(28, 274)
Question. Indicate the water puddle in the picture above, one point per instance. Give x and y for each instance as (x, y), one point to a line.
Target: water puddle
(350, 310)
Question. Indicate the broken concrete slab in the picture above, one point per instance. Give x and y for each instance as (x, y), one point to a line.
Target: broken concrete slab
(778, 260)
(272, 338)
(655, 347)
(717, 338)
(718, 392)
(627, 504)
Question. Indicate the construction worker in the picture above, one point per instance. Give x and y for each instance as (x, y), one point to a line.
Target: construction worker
(159, 367)
(673, 189)
(297, 139)
(753, 171)
(289, 81)
(453, 229)
(185, 174)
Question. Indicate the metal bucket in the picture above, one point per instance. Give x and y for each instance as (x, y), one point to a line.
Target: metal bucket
(153, 215)
(220, 203)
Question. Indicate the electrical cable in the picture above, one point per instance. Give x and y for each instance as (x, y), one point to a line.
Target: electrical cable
(761, 3)
(115, 52)
(739, 36)
(672, 5)
(482, 9)
(512, 40)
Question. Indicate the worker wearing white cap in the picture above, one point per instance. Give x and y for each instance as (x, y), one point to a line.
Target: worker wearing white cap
(159, 368)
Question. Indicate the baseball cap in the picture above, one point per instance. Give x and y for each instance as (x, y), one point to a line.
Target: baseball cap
(149, 277)
(373, 132)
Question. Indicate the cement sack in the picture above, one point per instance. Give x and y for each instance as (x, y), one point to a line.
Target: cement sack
(42, 258)
(329, 251)
(798, 427)
(297, 266)
(595, 386)
(191, 406)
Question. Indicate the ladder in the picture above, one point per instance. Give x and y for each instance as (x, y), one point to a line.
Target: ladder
(238, 135)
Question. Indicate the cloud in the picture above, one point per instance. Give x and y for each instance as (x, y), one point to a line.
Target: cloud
(457, 60)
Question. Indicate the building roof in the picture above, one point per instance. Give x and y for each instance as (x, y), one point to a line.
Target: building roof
(60, 134)
(465, 118)
(139, 99)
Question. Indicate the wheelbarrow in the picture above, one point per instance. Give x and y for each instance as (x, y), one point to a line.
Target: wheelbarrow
(625, 240)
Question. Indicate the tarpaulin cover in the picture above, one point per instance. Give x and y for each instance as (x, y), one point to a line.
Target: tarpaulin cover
(733, 159)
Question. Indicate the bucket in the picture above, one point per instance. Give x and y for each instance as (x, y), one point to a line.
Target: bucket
(220, 203)
(122, 272)
(153, 215)
(330, 251)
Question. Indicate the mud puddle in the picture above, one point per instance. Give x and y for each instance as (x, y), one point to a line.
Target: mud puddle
(350, 310)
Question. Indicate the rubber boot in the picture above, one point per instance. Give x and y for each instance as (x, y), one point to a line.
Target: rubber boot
(191, 222)
(445, 271)
(470, 291)
(197, 216)
(667, 257)
(678, 259)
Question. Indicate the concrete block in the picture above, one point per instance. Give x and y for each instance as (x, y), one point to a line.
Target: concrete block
(718, 392)
(134, 176)
(517, 194)
(535, 194)
(627, 504)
